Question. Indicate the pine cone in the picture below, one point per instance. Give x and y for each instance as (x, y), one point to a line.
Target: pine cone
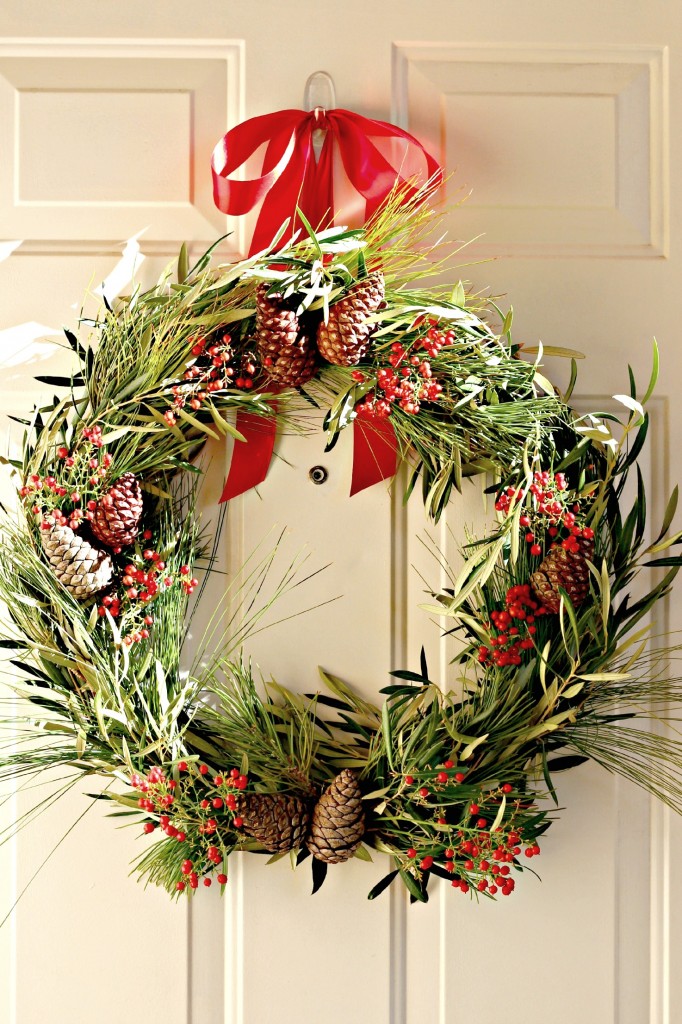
(83, 569)
(565, 569)
(345, 338)
(287, 352)
(338, 822)
(279, 821)
(116, 520)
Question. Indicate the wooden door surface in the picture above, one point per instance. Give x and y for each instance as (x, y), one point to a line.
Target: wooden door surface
(557, 119)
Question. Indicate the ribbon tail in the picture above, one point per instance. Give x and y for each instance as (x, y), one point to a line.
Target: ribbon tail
(375, 453)
(251, 458)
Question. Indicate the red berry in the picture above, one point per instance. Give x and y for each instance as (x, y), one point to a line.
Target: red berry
(207, 882)
(148, 827)
(426, 863)
(459, 777)
(474, 809)
(180, 886)
(238, 822)
(442, 777)
(203, 768)
(182, 766)
(411, 853)
(409, 780)
(222, 879)
(448, 764)
(423, 792)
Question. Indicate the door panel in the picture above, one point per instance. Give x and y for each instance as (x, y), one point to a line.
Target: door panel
(557, 120)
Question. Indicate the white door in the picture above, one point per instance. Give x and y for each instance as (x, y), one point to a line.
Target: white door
(557, 117)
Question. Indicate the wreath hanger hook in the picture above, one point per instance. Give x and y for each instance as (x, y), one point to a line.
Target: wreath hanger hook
(319, 93)
(319, 96)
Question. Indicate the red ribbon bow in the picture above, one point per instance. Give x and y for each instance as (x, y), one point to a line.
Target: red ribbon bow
(375, 158)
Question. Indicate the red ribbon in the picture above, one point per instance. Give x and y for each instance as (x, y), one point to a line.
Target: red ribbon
(290, 178)
(375, 453)
(250, 460)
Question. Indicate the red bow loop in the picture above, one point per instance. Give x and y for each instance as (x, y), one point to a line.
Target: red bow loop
(291, 177)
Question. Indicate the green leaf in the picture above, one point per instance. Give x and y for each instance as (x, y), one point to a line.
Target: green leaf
(183, 264)
(654, 375)
(458, 295)
(362, 853)
(548, 778)
(413, 886)
(388, 738)
(319, 874)
(381, 885)
(203, 427)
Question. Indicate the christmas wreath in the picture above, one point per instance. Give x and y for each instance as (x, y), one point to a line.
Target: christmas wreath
(101, 557)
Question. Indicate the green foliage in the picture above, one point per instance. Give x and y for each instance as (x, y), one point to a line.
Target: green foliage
(90, 703)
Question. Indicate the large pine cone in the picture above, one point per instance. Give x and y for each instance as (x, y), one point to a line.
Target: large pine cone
(83, 569)
(286, 351)
(345, 338)
(565, 569)
(338, 822)
(116, 520)
(278, 821)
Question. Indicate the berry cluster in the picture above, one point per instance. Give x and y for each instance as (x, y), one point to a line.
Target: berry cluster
(140, 584)
(444, 776)
(506, 497)
(77, 480)
(551, 508)
(436, 340)
(407, 381)
(482, 857)
(186, 813)
(483, 860)
(48, 493)
(512, 628)
(213, 369)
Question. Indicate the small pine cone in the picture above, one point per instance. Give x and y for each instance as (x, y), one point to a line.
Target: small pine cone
(345, 338)
(286, 351)
(83, 569)
(279, 821)
(565, 569)
(116, 520)
(338, 822)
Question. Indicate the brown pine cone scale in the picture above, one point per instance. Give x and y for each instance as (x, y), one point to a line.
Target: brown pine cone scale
(278, 821)
(83, 569)
(345, 338)
(338, 820)
(563, 569)
(286, 351)
(116, 520)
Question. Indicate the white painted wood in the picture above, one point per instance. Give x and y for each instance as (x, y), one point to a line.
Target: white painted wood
(557, 119)
(77, 115)
(564, 151)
